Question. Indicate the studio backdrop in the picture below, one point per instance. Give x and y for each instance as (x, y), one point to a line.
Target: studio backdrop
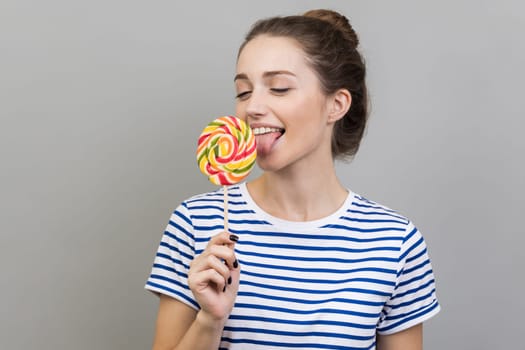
(101, 103)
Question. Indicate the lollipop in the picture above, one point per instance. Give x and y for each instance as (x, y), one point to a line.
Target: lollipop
(226, 153)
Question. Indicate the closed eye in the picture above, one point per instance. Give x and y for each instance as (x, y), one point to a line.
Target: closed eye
(280, 91)
(243, 94)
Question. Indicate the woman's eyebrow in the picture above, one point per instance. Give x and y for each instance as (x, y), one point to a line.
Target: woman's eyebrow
(268, 74)
(241, 76)
(277, 72)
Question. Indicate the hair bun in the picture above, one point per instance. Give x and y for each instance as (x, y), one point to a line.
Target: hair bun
(338, 20)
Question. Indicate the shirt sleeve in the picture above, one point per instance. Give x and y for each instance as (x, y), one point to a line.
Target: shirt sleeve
(169, 274)
(414, 298)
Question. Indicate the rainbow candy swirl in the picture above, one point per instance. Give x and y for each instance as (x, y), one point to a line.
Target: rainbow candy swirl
(226, 151)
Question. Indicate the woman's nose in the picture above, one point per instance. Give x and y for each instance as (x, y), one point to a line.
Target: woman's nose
(256, 105)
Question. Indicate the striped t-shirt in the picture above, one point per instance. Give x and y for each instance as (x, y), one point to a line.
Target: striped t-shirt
(331, 283)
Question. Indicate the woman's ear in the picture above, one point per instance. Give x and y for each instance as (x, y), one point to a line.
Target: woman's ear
(340, 104)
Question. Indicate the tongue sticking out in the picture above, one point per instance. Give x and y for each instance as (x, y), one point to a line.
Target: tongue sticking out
(265, 142)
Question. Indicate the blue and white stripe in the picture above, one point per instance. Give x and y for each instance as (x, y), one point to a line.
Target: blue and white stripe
(325, 284)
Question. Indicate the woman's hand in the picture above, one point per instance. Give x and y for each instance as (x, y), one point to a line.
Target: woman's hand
(214, 277)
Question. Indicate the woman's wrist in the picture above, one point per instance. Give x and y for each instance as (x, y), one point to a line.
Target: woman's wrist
(210, 322)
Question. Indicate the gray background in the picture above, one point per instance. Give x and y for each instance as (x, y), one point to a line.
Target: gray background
(101, 103)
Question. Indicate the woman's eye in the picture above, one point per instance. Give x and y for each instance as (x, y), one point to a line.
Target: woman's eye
(243, 94)
(280, 90)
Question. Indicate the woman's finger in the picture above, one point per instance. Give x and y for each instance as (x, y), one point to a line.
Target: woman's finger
(201, 280)
(225, 253)
(223, 238)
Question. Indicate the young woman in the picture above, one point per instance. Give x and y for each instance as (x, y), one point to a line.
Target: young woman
(307, 263)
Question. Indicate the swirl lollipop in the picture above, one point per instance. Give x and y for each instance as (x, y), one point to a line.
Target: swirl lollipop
(226, 153)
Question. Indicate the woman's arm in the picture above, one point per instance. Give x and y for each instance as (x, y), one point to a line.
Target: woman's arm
(213, 279)
(181, 327)
(409, 339)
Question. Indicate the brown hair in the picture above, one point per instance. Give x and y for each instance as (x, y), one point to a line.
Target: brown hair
(330, 44)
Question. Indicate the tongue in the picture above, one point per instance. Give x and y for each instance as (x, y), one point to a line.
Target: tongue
(265, 142)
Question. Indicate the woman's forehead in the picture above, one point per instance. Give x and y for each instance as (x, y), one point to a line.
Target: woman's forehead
(270, 54)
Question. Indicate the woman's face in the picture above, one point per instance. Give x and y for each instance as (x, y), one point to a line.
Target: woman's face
(280, 97)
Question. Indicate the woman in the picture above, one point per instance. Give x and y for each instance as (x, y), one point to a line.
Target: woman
(306, 263)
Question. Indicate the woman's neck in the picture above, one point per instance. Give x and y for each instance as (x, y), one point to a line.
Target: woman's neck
(299, 194)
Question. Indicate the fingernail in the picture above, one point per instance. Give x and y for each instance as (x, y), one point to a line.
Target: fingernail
(230, 280)
(235, 264)
(234, 238)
